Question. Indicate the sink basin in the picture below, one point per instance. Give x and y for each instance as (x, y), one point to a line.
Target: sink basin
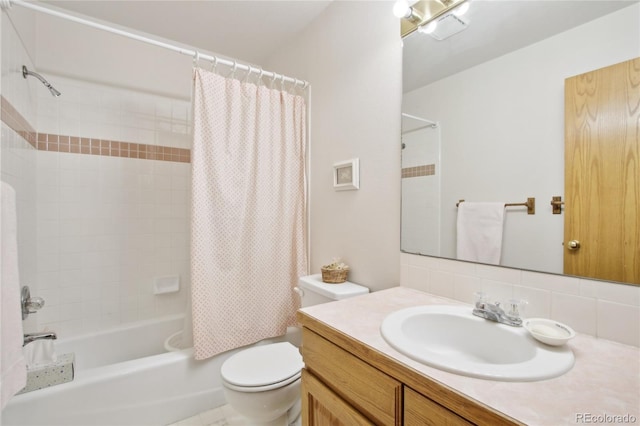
(451, 338)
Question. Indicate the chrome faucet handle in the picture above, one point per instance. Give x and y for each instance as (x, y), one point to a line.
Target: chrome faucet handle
(515, 308)
(481, 299)
(30, 305)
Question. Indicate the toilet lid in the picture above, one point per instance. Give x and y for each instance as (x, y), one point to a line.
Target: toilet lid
(262, 365)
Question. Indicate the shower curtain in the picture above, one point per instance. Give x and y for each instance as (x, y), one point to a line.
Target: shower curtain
(248, 231)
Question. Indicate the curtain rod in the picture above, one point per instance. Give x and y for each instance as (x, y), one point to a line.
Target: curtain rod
(424, 120)
(6, 4)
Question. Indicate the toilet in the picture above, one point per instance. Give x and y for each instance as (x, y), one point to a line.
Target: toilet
(262, 382)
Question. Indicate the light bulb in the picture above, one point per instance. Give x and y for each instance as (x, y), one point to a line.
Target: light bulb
(429, 28)
(401, 9)
(462, 9)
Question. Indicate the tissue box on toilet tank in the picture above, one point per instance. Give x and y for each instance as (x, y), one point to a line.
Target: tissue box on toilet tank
(55, 373)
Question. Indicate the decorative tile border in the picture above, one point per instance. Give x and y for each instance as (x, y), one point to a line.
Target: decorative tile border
(12, 118)
(63, 143)
(417, 171)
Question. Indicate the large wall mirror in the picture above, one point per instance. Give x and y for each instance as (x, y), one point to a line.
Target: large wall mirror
(484, 120)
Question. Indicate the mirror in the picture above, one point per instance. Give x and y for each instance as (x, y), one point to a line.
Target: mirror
(483, 119)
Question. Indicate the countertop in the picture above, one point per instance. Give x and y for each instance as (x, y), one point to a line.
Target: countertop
(603, 383)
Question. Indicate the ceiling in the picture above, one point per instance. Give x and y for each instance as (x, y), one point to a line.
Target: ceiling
(252, 31)
(496, 27)
(249, 31)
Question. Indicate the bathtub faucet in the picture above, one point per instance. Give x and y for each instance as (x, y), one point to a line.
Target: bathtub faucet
(32, 337)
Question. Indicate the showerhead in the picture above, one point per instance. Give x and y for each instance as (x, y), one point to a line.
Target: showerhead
(26, 72)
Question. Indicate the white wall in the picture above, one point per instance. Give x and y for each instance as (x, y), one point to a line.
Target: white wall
(352, 56)
(515, 105)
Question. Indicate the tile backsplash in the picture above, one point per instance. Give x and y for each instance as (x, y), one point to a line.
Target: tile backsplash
(598, 308)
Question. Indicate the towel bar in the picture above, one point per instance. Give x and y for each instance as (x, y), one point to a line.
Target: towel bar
(530, 204)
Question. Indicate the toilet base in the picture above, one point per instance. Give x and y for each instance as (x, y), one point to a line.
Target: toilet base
(272, 407)
(284, 420)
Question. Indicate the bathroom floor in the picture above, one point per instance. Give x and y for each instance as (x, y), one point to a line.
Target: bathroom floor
(221, 416)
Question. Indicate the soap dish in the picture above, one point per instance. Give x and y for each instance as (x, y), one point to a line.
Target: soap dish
(549, 331)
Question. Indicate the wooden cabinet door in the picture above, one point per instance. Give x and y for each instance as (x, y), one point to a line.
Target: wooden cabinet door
(372, 392)
(421, 411)
(322, 407)
(602, 173)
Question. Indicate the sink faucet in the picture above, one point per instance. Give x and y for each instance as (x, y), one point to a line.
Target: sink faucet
(32, 337)
(494, 312)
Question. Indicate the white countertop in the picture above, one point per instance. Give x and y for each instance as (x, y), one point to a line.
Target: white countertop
(605, 380)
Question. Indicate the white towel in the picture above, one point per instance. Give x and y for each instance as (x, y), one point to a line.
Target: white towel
(480, 228)
(13, 368)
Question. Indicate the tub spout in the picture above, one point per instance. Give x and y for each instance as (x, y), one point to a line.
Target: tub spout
(32, 337)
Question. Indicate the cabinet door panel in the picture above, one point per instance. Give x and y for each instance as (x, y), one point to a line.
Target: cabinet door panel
(322, 407)
(370, 391)
(421, 411)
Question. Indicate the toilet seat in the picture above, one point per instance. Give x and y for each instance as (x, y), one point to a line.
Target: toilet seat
(262, 368)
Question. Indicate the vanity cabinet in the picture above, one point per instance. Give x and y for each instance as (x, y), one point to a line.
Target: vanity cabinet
(347, 383)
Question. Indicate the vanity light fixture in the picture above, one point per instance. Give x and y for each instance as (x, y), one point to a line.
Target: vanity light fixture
(429, 28)
(443, 13)
(402, 9)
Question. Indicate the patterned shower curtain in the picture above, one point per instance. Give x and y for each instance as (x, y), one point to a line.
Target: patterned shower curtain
(248, 231)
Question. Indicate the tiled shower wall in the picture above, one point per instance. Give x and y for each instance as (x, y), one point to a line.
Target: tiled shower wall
(18, 157)
(110, 220)
(102, 176)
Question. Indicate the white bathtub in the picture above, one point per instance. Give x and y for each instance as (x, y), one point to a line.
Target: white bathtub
(124, 376)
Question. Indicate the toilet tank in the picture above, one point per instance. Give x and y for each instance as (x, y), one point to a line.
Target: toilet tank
(314, 292)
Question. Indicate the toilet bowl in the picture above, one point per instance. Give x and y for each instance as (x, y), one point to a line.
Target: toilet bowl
(262, 383)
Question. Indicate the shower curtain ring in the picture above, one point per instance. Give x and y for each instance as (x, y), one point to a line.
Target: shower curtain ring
(233, 69)
(196, 59)
(214, 64)
(260, 76)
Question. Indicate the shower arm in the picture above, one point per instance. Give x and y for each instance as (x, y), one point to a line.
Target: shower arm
(26, 72)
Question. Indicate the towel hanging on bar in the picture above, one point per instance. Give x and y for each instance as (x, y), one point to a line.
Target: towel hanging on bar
(530, 204)
(479, 232)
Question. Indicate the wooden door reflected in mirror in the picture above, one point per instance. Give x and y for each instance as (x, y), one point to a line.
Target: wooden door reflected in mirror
(602, 173)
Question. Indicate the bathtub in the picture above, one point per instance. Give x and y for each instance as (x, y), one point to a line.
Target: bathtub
(124, 376)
